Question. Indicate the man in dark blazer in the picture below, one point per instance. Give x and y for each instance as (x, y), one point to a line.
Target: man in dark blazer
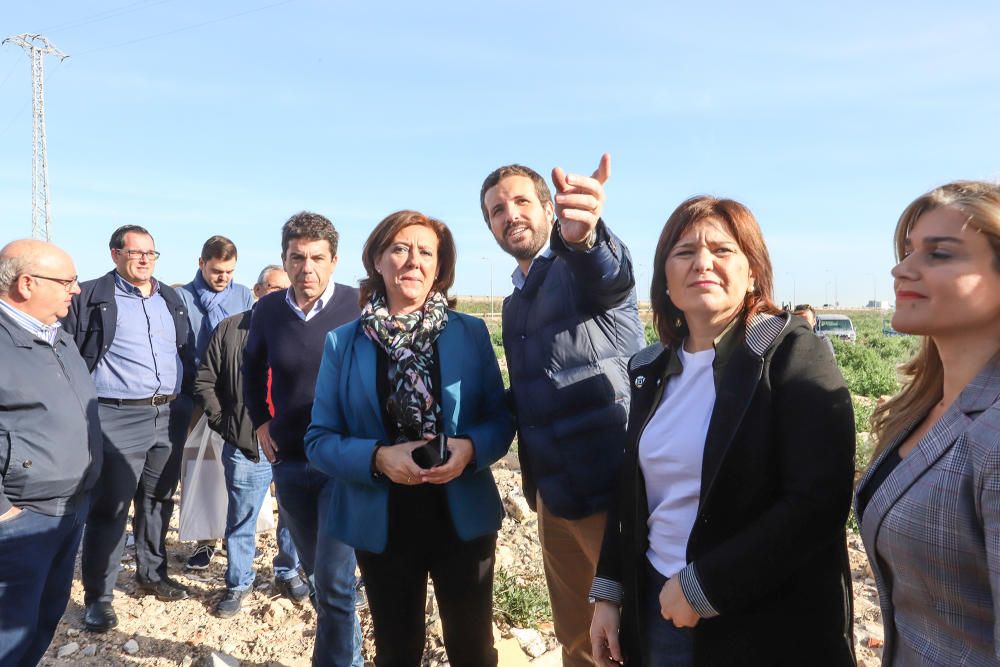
(134, 335)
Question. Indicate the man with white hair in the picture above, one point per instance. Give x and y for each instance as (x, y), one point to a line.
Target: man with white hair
(50, 447)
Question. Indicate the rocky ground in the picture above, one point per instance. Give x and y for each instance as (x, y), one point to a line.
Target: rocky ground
(271, 631)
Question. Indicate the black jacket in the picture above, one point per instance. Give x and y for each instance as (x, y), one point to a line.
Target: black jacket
(568, 335)
(767, 556)
(93, 315)
(218, 387)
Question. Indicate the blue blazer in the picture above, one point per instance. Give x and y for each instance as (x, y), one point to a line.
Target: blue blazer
(347, 423)
(932, 532)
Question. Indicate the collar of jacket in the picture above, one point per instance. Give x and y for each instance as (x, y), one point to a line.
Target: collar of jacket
(536, 275)
(661, 362)
(104, 289)
(981, 393)
(21, 338)
(738, 367)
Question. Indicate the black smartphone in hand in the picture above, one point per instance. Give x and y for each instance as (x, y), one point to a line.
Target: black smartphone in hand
(434, 453)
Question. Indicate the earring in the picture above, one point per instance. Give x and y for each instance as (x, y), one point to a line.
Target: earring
(750, 289)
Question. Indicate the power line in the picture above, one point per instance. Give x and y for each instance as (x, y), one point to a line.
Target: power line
(106, 14)
(188, 27)
(9, 74)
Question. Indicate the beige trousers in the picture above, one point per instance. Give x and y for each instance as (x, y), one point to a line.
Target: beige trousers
(570, 550)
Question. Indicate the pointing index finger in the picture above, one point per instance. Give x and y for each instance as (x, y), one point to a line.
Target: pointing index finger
(603, 171)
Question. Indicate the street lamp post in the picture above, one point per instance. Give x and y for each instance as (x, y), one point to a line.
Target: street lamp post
(795, 300)
(492, 312)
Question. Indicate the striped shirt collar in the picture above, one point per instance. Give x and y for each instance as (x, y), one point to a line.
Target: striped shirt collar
(129, 288)
(46, 332)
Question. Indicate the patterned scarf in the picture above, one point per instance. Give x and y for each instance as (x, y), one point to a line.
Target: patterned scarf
(409, 342)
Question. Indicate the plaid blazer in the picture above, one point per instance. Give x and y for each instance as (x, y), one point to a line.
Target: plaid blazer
(932, 532)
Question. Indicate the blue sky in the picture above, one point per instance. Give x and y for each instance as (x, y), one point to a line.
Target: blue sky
(196, 118)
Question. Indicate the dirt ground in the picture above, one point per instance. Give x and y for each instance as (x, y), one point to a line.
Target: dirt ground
(273, 632)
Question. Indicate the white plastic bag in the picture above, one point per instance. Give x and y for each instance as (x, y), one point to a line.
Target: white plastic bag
(265, 519)
(204, 500)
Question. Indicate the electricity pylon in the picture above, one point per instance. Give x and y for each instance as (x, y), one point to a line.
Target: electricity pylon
(37, 47)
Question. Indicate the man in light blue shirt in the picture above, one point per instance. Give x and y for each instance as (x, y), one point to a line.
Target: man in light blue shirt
(133, 333)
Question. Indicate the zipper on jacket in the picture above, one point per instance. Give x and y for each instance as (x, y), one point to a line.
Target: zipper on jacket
(83, 410)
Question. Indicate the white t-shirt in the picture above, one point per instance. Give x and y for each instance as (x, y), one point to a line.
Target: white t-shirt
(671, 449)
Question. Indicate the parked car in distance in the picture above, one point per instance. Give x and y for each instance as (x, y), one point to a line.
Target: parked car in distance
(836, 325)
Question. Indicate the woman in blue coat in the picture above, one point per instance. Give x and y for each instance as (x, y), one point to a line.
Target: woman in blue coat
(408, 417)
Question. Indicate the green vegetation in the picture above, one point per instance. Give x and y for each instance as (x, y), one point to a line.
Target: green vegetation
(651, 335)
(866, 373)
(522, 604)
(479, 305)
(870, 365)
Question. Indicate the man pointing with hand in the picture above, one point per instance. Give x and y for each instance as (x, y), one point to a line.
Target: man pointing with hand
(569, 328)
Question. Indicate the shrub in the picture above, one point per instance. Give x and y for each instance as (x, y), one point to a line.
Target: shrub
(865, 371)
(651, 335)
(522, 604)
(863, 409)
(895, 349)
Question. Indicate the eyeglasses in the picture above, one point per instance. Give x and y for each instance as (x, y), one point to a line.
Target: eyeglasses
(67, 283)
(136, 254)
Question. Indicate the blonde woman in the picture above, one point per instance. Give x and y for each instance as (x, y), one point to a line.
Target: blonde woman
(929, 504)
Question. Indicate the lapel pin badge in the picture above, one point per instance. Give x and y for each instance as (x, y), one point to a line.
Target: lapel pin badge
(639, 381)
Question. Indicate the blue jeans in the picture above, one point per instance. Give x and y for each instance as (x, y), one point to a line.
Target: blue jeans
(36, 572)
(665, 645)
(246, 485)
(304, 496)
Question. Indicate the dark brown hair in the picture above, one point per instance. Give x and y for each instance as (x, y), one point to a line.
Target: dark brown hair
(740, 223)
(117, 241)
(218, 247)
(381, 238)
(541, 187)
(311, 227)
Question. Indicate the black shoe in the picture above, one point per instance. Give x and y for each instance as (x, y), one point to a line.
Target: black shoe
(166, 589)
(100, 617)
(295, 589)
(201, 557)
(231, 603)
(173, 583)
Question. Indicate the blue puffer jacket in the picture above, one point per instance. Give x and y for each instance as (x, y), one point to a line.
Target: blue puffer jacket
(568, 335)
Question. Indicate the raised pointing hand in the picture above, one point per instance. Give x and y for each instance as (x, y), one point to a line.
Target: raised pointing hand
(580, 200)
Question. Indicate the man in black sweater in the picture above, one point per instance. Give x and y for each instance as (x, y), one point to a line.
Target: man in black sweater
(286, 335)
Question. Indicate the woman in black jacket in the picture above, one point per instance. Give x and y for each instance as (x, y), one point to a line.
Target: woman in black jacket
(727, 543)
